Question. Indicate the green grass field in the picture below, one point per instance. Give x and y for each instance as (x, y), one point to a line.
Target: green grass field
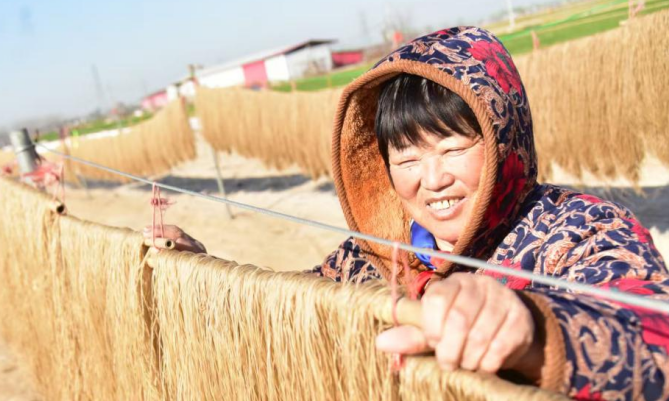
(547, 15)
(334, 80)
(571, 21)
(603, 18)
(98, 126)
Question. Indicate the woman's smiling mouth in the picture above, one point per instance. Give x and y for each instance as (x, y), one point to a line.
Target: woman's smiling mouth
(445, 209)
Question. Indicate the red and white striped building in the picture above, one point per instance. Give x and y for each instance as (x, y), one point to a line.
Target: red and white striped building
(283, 64)
(311, 57)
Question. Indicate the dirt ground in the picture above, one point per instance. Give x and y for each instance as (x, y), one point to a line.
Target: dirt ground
(268, 241)
(248, 237)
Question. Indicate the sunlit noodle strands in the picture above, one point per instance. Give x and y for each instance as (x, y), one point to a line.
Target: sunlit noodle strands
(104, 305)
(72, 301)
(280, 129)
(648, 41)
(26, 296)
(253, 334)
(599, 103)
(97, 323)
(149, 148)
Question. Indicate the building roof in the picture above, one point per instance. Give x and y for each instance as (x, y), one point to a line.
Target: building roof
(261, 56)
(158, 92)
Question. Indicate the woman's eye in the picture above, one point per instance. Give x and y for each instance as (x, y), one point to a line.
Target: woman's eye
(407, 163)
(454, 151)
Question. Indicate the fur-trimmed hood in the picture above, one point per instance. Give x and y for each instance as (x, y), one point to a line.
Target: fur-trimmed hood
(474, 64)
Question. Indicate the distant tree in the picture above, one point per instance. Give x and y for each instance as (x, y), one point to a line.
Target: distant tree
(398, 21)
(364, 27)
(42, 123)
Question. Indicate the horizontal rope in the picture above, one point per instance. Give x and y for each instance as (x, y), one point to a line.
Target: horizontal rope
(613, 295)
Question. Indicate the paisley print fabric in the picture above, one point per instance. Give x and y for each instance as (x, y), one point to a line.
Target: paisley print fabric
(612, 351)
(347, 264)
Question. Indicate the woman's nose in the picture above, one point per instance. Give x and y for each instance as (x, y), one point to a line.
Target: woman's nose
(435, 176)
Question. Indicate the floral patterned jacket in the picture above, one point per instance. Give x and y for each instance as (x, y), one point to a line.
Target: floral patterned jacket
(611, 351)
(595, 349)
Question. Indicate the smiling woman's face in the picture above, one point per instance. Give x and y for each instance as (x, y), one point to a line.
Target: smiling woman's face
(437, 182)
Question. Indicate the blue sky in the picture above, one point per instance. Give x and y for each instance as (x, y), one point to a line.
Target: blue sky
(48, 47)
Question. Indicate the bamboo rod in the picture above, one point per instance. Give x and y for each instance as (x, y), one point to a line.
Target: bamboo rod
(408, 312)
(57, 207)
(160, 243)
(219, 181)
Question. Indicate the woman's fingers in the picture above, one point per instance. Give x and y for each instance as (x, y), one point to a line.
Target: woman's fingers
(402, 340)
(458, 323)
(436, 303)
(189, 244)
(167, 231)
(484, 330)
(513, 338)
(471, 322)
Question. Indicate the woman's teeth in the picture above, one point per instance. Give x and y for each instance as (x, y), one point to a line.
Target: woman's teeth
(445, 204)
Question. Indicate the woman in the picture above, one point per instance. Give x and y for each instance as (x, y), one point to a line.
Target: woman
(434, 146)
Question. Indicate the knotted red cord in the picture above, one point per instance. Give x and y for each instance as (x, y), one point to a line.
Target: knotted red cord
(59, 192)
(47, 174)
(8, 168)
(415, 288)
(160, 205)
(398, 360)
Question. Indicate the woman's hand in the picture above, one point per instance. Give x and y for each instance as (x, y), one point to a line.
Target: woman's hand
(474, 323)
(182, 241)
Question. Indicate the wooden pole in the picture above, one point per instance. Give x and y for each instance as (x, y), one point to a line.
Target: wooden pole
(535, 40)
(64, 134)
(219, 181)
(214, 154)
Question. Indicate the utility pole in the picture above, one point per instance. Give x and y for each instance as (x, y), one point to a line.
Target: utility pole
(364, 27)
(98, 87)
(512, 17)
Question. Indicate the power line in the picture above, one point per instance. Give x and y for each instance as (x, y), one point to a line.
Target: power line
(613, 295)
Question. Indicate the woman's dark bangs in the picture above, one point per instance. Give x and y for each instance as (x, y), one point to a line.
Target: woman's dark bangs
(409, 105)
(450, 114)
(401, 114)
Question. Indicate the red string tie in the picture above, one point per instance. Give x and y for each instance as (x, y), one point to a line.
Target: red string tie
(160, 205)
(48, 174)
(398, 359)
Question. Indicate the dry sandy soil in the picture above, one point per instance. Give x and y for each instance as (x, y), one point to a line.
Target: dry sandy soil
(268, 241)
(248, 237)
